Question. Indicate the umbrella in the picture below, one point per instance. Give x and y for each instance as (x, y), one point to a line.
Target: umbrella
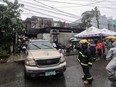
(73, 39)
(111, 37)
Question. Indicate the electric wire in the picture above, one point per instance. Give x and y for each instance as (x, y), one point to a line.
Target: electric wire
(74, 3)
(55, 8)
(47, 14)
(57, 13)
(59, 2)
(87, 6)
(38, 7)
(78, 23)
(82, 5)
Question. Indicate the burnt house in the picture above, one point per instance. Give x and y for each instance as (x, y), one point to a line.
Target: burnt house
(46, 28)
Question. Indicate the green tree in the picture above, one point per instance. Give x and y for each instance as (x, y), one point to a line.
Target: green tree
(88, 15)
(10, 23)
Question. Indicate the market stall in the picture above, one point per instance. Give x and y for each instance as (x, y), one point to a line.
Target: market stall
(91, 32)
(108, 32)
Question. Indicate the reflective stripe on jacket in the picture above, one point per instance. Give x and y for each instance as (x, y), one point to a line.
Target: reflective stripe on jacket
(82, 54)
(85, 57)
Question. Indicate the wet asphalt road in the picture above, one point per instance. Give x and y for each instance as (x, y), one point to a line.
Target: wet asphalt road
(11, 75)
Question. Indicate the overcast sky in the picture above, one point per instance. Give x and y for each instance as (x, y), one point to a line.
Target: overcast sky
(66, 10)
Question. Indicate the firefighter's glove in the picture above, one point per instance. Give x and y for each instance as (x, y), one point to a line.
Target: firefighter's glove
(90, 64)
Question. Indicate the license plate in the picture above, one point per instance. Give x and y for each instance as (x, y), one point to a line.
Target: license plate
(50, 73)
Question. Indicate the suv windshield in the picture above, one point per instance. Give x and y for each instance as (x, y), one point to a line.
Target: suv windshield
(35, 45)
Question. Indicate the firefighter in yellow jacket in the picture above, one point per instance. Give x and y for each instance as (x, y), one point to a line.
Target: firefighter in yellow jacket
(85, 59)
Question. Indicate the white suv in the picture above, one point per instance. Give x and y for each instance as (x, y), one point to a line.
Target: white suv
(43, 59)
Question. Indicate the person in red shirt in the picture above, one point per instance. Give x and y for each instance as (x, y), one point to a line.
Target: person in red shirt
(99, 49)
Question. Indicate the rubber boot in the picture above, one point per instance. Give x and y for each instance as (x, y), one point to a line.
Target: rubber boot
(83, 78)
(94, 59)
(86, 82)
(90, 81)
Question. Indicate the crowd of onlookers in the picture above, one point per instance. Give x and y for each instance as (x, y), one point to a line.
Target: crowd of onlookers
(99, 48)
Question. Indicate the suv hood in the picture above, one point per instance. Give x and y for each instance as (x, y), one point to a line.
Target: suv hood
(44, 54)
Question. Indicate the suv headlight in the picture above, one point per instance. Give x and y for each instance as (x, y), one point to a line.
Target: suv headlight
(62, 59)
(30, 62)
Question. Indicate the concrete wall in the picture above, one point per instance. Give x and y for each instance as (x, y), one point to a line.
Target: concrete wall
(46, 36)
(64, 37)
(40, 36)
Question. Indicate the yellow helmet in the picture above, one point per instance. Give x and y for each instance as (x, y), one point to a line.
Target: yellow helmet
(83, 41)
(19, 40)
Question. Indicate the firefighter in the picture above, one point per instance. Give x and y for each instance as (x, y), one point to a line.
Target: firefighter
(92, 48)
(85, 60)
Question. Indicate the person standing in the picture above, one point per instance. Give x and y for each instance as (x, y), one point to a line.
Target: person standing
(92, 47)
(112, 52)
(54, 45)
(111, 67)
(99, 50)
(85, 60)
(107, 47)
(111, 72)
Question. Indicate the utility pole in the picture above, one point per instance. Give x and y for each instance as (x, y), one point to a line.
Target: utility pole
(97, 14)
(14, 21)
